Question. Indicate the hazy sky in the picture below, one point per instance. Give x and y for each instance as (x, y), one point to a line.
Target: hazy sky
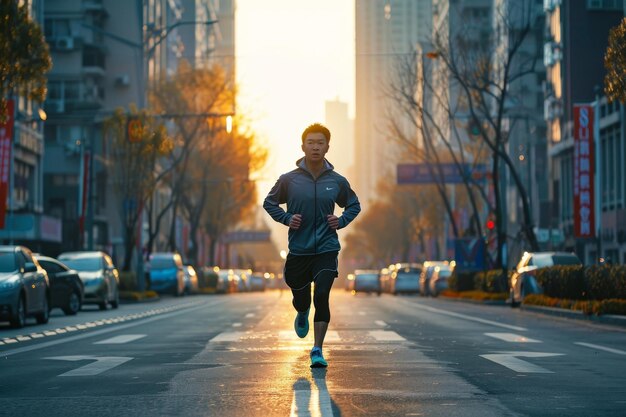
(292, 55)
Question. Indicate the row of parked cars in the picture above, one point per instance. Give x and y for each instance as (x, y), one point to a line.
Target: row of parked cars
(32, 284)
(428, 278)
(431, 277)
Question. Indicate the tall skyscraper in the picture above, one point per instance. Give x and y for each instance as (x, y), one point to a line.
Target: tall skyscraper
(385, 31)
(341, 153)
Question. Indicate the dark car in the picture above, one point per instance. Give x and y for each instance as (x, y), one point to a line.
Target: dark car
(67, 291)
(405, 278)
(99, 275)
(367, 281)
(24, 287)
(523, 280)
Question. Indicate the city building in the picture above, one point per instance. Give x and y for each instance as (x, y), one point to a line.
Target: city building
(25, 221)
(574, 55)
(385, 31)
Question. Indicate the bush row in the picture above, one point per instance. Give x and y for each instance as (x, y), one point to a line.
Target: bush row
(594, 282)
(608, 306)
(491, 281)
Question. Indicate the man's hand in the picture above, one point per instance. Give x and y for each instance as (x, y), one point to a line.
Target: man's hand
(295, 222)
(333, 221)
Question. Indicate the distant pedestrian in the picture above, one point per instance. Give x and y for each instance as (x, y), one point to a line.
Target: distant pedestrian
(310, 192)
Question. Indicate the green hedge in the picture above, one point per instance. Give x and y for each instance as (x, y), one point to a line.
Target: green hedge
(595, 282)
(490, 281)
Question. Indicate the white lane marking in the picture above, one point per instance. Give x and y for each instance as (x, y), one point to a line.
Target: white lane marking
(311, 401)
(236, 324)
(250, 315)
(511, 361)
(466, 317)
(380, 323)
(331, 335)
(512, 337)
(67, 339)
(124, 338)
(228, 337)
(101, 364)
(385, 335)
(606, 349)
(362, 313)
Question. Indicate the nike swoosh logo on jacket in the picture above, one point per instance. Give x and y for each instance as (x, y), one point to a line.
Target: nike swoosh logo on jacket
(310, 197)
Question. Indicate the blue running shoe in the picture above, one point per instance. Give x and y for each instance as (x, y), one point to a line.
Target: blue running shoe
(302, 324)
(317, 359)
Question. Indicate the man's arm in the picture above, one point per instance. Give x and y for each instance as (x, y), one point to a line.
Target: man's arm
(350, 204)
(277, 196)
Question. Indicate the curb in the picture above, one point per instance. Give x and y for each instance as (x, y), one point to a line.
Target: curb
(472, 301)
(145, 300)
(612, 319)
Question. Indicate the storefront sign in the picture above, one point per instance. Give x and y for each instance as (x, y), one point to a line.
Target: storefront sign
(584, 216)
(6, 136)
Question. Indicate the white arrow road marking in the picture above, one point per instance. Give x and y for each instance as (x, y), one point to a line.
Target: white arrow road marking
(512, 337)
(606, 349)
(101, 364)
(510, 360)
(125, 338)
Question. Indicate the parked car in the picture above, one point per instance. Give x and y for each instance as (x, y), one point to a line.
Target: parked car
(439, 279)
(24, 287)
(100, 277)
(405, 278)
(226, 281)
(257, 281)
(385, 279)
(523, 279)
(191, 279)
(67, 291)
(426, 275)
(367, 280)
(167, 275)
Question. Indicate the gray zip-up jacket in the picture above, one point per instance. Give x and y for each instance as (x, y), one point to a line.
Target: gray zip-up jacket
(314, 199)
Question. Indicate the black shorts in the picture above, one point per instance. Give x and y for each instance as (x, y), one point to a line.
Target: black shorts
(301, 270)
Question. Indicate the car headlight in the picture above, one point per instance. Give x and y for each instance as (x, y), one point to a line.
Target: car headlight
(10, 283)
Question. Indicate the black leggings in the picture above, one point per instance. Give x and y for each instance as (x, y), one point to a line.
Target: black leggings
(321, 293)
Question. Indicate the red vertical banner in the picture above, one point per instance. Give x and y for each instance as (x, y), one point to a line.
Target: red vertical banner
(584, 215)
(6, 137)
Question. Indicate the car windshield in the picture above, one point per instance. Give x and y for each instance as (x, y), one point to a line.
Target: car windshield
(409, 273)
(162, 263)
(547, 259)
(84, 264)
(367, 277)
(7, 262)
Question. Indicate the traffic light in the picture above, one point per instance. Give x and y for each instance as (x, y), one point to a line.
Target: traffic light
(490, 224)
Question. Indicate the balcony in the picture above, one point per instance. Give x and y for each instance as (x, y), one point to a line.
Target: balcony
(94, 61)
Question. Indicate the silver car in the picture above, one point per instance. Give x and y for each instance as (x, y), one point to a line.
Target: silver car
(24, 287)
(523, 280)
(99, 275)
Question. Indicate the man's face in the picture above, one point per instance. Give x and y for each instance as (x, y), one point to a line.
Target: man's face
(315, 147)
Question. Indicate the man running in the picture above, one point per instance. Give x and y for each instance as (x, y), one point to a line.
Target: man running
(311, 192)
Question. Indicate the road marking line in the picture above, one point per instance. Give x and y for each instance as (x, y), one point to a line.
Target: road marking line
(362, 313)
(311, 401)
(331, 336)
(606, 349)
(380, 323)
(386, 335)
(511, 361)
(250, 315)
(228, 337)
(512, 337)
(236, 324)
(101, 364)
(125, 338)
(470, 318)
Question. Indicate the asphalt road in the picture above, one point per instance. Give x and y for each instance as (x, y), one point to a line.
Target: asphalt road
(237, 355)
